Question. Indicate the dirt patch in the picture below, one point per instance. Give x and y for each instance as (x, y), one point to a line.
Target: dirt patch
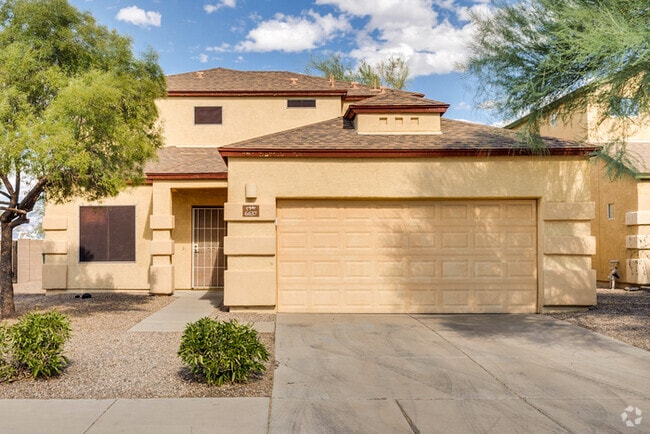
(620, 314)
(107, 361)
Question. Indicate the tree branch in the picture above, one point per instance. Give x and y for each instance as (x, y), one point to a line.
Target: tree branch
(8, 186)
(16, 210)
(17, 183)
(31, 198)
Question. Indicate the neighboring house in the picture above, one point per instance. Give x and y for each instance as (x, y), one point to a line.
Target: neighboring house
(302, 194)
(622, 223)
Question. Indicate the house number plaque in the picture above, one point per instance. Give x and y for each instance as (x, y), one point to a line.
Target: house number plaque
(250, 210)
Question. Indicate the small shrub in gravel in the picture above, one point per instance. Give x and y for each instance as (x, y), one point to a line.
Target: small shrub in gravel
(7, 367)
(37, 343)
(222, 352)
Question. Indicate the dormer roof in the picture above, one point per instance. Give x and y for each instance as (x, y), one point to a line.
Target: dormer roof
(390, 101)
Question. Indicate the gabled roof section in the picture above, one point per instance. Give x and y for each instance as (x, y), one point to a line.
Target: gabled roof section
(187, 163)
(230, 82)
(393, 101)
(338, 138)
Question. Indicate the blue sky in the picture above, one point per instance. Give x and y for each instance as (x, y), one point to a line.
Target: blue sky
(190, 35)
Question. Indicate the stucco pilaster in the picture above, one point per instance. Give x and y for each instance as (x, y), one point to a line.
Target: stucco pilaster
(567, 248)
(161, 223)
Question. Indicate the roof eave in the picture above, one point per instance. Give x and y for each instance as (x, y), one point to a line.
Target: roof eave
(186, 176)
(353, 110)
(395, 153)
(203, 93)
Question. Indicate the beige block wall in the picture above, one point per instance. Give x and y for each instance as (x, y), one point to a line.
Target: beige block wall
(550, 180)
(243, 118)
(29, 261)
(62, 268)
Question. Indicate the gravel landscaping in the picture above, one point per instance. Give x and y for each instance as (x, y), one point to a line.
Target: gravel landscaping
(620, 314)
(107, 361)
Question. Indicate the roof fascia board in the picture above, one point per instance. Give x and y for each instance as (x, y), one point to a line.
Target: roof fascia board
(397, 153)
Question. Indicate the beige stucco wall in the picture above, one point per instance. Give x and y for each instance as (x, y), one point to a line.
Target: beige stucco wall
(634, 129)
(559, 184)
(243, 118)
(569, 127)
(163, 239)
(621, 193)
(62, 268)
(402, 123)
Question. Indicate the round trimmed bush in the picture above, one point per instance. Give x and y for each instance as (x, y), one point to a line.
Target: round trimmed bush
(221, 352)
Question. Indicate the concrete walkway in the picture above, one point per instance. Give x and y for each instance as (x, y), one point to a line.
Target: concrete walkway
(390, 373)
(189, 306)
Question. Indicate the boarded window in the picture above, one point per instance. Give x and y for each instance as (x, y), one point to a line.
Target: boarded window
(301, 103)
(106, 233)
(207, 115)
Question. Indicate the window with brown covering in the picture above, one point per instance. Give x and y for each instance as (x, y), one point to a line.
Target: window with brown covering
(301, 103)
(106, 233)
(208, 115)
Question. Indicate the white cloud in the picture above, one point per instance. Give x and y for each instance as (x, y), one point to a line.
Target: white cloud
(210, 8)
(203, 58)
(432, 35)
(292, 34)
(139, 17)
(220, 48)
(412, 29)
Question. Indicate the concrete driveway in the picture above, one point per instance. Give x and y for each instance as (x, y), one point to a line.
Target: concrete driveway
(454, 373)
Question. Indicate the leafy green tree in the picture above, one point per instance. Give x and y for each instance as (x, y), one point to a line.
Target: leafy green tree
(538, 57)
(392, 72)
(331, 66)
(77, 113)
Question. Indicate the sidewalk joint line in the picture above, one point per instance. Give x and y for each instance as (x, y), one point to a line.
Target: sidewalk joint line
(101, 415)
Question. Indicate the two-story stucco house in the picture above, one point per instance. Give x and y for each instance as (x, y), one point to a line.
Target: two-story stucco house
(304, 194)
(622, 222)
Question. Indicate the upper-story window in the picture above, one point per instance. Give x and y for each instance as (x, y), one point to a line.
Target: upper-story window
(301, 103)
(623, 107)
(208, 115)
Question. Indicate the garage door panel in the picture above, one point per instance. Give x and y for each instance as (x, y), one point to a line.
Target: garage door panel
(412, 256)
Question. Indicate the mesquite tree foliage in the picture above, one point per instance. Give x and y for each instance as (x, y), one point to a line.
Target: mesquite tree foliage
(77, 113)
(538, 57)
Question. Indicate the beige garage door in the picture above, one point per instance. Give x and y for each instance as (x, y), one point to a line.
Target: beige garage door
(415, 256)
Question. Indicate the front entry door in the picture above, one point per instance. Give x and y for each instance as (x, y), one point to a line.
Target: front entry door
(208, 260)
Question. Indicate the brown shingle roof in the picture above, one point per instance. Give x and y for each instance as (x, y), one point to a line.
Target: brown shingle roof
(394, 98)
(187, 163)
(395, 101)
(232, 82)
(337, 137)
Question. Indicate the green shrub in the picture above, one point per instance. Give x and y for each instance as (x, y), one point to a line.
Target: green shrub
(222, 351)
(7, 367)
(37, 343)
